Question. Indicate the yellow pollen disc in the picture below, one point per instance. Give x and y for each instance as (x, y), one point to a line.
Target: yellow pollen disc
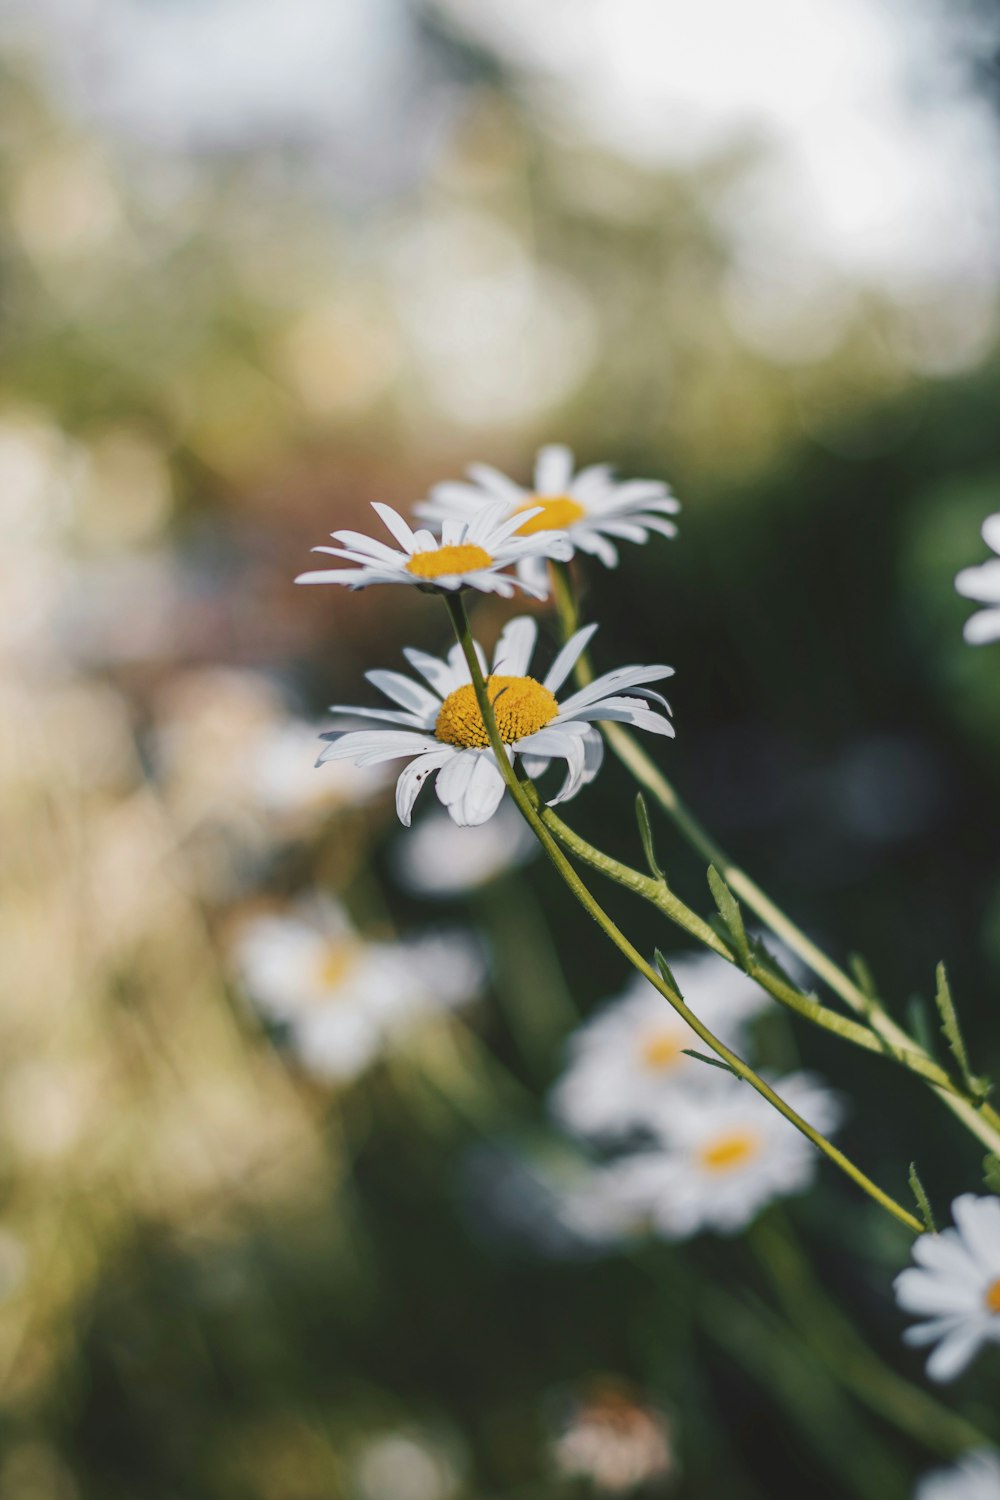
(661, 1050)
(729, 1151)
(520, 706)
(464, 559)
(992, 1298)
(558, 512)
(336, 963)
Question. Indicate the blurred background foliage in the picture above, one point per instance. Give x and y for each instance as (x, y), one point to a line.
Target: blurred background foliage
(260, 265)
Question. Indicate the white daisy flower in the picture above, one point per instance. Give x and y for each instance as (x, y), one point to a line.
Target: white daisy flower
(592, 507)
(955, 1284)
(439, 859)
(439, 728)
(629, 1057)
(342, 999)
(725, 1154)
(983, 584)
(471, 553)
(974, 1477)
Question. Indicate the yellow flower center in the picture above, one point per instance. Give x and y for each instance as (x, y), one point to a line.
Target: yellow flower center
(446, 560)
(336, 963)
(992, 1298)
(661, 1049)
(558, 512)
(729, 1151)
(520, 706)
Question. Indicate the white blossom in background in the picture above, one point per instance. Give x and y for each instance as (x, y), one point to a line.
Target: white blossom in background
(955, 1287)
(976, 1476)
(722, 1155)
(281, 762)
(438, 859)
(342, 999)
(629, 1058)
(406, 1464)
(982, 584)
(594, 509)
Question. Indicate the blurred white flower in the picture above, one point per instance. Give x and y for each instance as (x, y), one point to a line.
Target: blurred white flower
(982, 584)
(591, 507)
(974, 1477)
(629, 1058)
(406, 1465)
(955, 1286)
(440, 731)
(471, 554)
(343, 999)
(439, 859)
(281, 762)
(725, 1154)
(614, 1442)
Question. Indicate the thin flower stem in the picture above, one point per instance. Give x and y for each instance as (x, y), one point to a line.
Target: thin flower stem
(525, 806)
(978, 1117)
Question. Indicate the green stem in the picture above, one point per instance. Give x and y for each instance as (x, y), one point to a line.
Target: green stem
(659, 894)
(526, 807)
(981, 1119)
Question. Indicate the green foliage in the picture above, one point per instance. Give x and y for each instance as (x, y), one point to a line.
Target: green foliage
(729, 911)
(923, 1202)
(646, 835)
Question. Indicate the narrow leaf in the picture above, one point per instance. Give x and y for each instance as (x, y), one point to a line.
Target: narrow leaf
(991, 1172)
(923, 1202)
(978, 1087)
(713, 1062)
(729, 911)
(646, 835)
(664, 968)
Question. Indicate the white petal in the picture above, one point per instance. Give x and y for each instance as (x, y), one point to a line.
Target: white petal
(553, 470)
(980, 630)
(981, 583)
(512, 656)
(432, 669)
(395, 524)
(626, 710)
(351, 576)
(369, 747)
(567, 658)
(404, 691)
(991, 531)
(611, 683)
(978, 1222)
(595, 545)
(384, 715)
(412, 778)
(472, 789)
(358, 542)
(496, 484)
(953, 1353)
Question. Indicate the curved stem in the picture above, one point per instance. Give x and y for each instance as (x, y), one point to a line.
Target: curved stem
(659, 894)
(529, 812)
(980, 1118)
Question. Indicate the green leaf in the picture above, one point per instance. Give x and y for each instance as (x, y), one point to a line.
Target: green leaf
(729, 911)
(646, 835)
(923, 1202)
(991, 1172)
(713, 1062)
(978, 1087)
(664, 968)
